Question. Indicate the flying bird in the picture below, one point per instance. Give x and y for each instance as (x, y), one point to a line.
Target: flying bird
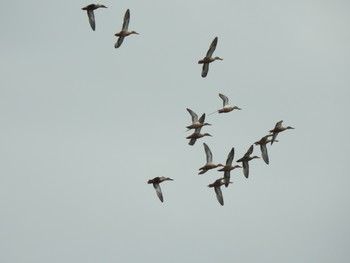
(124, 32)
(245, 161)
(217, 187)
(262, 142)
(209, 58)
(226, 107)
(90, 12)
(209, 165)
(228, 166)
(196, 123)
(196, 135)
(156, 181)
(278, 128)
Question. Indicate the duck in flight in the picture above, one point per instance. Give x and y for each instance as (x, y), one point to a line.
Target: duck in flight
(225, 105)
(278, 128)
(196, 123)
(245, 161)
(90, 12)
(156, 181)
(262, 142)
(217, 187)
(124, 32)
(228, 166)
(196, 135)
(209, 165)
(209, 58)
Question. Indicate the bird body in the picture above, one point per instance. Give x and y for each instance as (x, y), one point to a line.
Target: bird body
(225, 105)
(196, 135)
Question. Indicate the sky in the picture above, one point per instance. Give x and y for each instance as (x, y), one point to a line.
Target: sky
(85, 125)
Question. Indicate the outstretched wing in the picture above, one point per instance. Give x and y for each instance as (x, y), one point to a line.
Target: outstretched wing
(192, 141)
(119, 42)
(91, 18)
(274, 135)
(278, 124)
(212, 47)
(230, 156)
(208, 153)
(205, 69)
(264, 154)
(126, 20)
(250, 151)
(227, 175)
(158, 191)
(224, 99)
(193, 115)
(219, 195)
(202, 118)
(246, 169)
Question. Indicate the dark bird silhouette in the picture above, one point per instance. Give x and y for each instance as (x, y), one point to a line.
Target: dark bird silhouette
(90, 12)
(209, 58)
(156, 181)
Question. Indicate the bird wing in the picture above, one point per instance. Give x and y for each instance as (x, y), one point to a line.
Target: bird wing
(274, 135)
(230, 156)
(158, 191)
(119, 42)
(126, 20)
(91, 18)
(192, 141)
(202, 118)
(193, 115)
(250, 151)
(219, 195)
(227, 175)
(264, 154)
(224, 99)
(246, 169)
(278, 124)
(208, 153)
(212, 47)
(205, 69)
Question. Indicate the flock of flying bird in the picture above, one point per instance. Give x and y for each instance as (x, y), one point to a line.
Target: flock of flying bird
(199, 123)
(121, 34)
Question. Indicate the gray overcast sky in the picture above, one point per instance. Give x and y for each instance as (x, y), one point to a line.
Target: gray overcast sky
(85, 125)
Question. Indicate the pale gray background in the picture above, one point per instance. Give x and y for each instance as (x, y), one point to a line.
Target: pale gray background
(84, 126)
